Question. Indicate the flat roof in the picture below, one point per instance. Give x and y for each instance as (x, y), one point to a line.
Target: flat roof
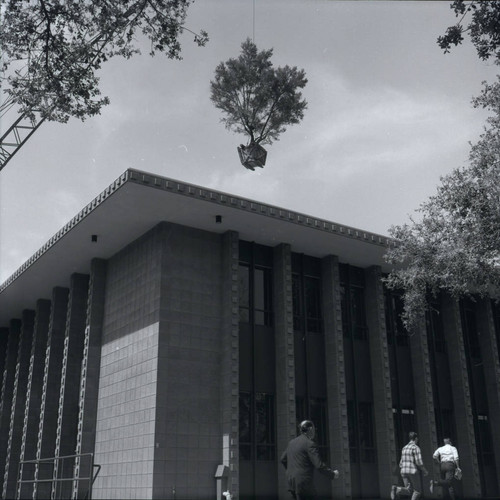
(138, 201)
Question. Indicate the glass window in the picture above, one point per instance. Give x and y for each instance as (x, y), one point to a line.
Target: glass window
(345, 311)
(313, 304)
(437, 328)
(300, 410)
(389, 326)
(485, 440)
(297, 302)
(264, 426)
(447, 425)
(366, 436)
(318, 414)
(255, 292)
(245, 428)
(358, 312)
(352, 427)
(397, 311)
(470, 325)
(256, 426)
(244, 293)
(262, 296)
(352, 302)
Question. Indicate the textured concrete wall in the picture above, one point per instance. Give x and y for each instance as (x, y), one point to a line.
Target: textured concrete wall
(229, 375)
(34, 393)
(51, 387)
(335, 372)
(188, 442)
(126, 415)
(89, 386)
(18, 404)
(424, 398)
(285, 367)
(125, 427)
(67, 418)
(461, 398)
(159, 432)
(491, 367)
(381, 379)
(8, 393)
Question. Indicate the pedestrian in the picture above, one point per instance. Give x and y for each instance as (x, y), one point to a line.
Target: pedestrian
(300, 459)
(410, 467)
(447, 458)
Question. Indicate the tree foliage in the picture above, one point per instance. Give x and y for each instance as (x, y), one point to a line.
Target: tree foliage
(257, 99)
(454, 245)
(481, 21)
(52, 49)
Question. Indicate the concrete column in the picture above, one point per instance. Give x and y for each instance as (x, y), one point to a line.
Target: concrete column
(89, 377)
(8, 391)
(381, 378)
(51, 384)
(67, 419)
(229, 374)
(4, 340)
(34, 394)
(424, 398)
(461, 398)
(285, 366)
(491, 369)
(18, 404)
(335, 374)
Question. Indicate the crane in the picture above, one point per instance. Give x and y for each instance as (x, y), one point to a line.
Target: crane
(17, 134)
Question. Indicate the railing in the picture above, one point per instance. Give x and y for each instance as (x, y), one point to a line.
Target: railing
(55, 477)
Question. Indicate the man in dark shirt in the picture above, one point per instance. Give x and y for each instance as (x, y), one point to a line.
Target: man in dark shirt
(300, 459)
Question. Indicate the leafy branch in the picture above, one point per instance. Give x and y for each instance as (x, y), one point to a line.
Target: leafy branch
(52, 49)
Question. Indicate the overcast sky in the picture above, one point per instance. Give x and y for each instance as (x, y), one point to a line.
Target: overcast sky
(388, 114)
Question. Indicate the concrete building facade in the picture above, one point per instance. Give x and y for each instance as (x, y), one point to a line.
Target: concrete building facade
(171, 333)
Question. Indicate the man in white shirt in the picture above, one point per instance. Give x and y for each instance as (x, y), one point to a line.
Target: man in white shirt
(447, 458)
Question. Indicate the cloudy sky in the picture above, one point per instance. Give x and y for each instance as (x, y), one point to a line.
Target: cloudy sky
(388, 114)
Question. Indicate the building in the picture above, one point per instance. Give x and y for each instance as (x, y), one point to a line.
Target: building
(170, 333)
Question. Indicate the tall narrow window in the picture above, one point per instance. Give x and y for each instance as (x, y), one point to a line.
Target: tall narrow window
(245, 427)
(366, 437)
(358, 312)
(352, 426)
(255, 295)
(262, 296)
(256, 426)
(306, 303)
(244, 293)
(297, 302)
(488, 455)
(264, 426)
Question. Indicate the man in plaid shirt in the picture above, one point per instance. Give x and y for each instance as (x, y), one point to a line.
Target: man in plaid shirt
(410, 466)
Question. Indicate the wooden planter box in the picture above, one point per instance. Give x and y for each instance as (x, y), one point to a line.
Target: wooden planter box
(253, 155)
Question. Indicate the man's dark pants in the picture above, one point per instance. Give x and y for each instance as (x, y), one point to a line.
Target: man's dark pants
(447, 475)
(412, 487)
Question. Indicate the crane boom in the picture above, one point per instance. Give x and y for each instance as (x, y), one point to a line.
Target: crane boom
(17, 135)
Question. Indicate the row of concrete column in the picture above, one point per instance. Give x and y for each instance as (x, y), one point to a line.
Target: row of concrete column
(50, 359)
(49, 370)
(381, 376)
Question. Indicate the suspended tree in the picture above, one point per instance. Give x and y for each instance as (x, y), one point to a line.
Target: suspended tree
(257, 100)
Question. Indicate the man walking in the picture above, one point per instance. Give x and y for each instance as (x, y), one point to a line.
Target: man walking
(300, 459)
(410, 466)
(447, 458)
